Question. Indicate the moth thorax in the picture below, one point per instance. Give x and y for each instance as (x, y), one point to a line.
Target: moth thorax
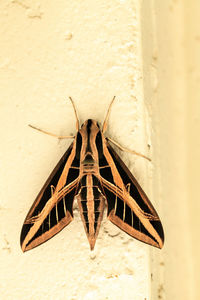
(88, 160)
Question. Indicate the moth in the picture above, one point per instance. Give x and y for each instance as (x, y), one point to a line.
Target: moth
(93, 173)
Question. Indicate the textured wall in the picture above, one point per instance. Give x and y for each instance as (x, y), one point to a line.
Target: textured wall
(90, 50)
(170, 39)
(147, 54)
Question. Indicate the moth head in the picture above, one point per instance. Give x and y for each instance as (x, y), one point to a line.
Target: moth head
(90, 123)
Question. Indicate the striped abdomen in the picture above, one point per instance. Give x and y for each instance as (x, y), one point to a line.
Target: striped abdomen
(91, 206)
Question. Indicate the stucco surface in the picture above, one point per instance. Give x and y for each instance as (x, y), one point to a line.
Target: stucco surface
(146, 53)
(170, 39)
(90, 50)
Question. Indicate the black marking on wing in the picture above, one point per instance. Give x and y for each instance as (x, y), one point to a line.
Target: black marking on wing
(99, 145)
(128, 178)
(111, 198)
(52, 216)
(124, 212)
(45, 194)
(105, 172)
(76, 161)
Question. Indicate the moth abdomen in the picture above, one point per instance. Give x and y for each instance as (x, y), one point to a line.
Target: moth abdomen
(91, 206)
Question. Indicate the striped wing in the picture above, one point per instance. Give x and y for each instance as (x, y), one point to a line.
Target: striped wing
(52, 209)
(128, 206)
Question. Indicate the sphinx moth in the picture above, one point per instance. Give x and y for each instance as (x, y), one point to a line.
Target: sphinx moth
(93, 173)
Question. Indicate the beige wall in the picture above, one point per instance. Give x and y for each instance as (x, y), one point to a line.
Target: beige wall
(145, 53)
(171, 87)
(90, 50)
(192, 42)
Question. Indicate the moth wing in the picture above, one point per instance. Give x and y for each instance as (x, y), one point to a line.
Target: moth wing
(52, 209)
(128, 206)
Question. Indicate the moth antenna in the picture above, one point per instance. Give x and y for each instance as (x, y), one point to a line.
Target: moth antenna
(76, 115)
(105, 123)
(52, 134)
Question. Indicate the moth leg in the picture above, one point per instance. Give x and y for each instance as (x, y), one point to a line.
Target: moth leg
(76, 115)
(106, 166)
(52, 134)
(105, 123)
(77, 168)
(126, 149)
(52, 189)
